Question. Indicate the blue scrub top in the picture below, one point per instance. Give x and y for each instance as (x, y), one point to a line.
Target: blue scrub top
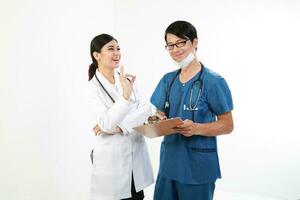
(192, 160)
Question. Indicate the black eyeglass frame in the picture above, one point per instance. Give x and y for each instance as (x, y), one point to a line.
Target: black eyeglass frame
(177, 44)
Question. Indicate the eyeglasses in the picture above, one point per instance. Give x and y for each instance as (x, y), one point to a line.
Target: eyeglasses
(177, 44)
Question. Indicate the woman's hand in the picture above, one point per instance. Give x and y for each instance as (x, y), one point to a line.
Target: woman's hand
(187, 129)
(97, 130)
(158, 116)
(127, 81)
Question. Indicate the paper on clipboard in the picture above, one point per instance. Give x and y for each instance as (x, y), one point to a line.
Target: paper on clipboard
(161, 128)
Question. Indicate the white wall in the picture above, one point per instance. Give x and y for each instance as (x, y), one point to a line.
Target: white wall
(44, 137)
(44, 140)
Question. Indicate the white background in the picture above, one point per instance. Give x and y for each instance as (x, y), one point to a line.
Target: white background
(45, 139)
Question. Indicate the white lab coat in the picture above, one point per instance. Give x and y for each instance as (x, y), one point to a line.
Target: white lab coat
(117, 156)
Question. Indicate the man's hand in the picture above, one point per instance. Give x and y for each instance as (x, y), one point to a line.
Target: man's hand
(187, 129)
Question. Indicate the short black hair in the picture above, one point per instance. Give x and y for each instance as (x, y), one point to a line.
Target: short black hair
(182, 29)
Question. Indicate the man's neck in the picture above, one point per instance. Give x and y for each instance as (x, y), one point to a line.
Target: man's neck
(191, 70)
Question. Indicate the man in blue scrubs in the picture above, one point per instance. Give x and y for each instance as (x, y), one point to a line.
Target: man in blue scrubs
(189, 164)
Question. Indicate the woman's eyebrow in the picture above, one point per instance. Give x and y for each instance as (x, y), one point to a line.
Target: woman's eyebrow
(112, 46)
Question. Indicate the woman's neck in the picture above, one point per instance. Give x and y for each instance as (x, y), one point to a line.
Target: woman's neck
(107, 73)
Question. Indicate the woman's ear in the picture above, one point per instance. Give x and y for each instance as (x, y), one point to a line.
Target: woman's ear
(96, 55)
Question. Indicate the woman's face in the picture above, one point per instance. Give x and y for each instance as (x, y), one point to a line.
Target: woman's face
(184, 49)
(109, 55)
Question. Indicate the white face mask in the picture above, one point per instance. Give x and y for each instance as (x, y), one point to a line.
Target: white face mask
(186, 61)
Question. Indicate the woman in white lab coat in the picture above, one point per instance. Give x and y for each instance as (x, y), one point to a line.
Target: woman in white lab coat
(121, 164)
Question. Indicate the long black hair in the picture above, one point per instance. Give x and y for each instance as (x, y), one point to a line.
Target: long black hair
(182, 29)
(96, 45)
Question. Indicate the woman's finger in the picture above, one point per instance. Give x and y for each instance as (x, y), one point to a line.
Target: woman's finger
(95, 127)
(129, 75)
(160, 116)
(98, 133)
(133, 79)
(122, 70)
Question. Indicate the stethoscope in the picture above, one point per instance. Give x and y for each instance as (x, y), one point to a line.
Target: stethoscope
(190, 107)
(112, 99)
(104, 89)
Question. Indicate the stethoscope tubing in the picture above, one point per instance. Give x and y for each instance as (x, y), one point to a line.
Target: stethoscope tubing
(102, 86)
(190, 108)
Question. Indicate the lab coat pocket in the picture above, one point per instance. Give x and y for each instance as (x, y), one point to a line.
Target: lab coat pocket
(108, 159)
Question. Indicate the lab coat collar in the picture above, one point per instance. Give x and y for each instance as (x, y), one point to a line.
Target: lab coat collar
(114, 89)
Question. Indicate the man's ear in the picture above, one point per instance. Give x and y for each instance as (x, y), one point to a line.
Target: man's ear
(195, 43)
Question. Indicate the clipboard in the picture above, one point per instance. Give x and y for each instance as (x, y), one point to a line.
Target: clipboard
(161, 128)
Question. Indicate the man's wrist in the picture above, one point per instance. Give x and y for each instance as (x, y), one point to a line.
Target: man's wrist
(197, 129)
